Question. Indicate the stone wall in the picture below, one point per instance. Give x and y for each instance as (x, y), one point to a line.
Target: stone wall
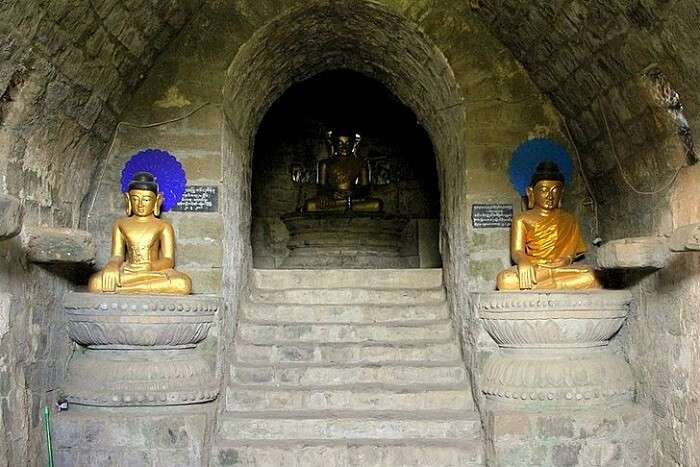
(66, 70)
(594, 60)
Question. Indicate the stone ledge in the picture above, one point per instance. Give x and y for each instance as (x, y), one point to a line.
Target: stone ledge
(60, 246)
(634, 253)
(11, 216)
(526, 301)
(685, 238)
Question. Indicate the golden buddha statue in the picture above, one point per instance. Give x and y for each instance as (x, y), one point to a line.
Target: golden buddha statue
(343, 180)
(143, 248)
(546, 240)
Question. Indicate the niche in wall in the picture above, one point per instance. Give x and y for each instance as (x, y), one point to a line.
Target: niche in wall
(293, 133)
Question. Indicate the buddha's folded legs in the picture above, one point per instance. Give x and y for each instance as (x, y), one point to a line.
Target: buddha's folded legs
(570, 277)
(368, 205)
(168, 282)
(340, 205)
(324, 204)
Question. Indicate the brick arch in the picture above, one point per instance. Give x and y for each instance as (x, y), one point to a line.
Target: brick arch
(326, 35)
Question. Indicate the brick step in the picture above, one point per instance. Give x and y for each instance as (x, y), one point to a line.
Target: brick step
(348, 426)
(349, 296)
(342, 333)
(242, 398)
(338, 314)
(348, 278)
(330, 454)
(447, 352)
(329, 376)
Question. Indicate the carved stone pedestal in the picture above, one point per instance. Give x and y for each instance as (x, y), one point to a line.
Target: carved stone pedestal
(554, 347)
(140, 350)
(555, 393)
(339, 240)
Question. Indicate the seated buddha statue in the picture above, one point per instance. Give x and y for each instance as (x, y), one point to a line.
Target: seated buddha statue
(143, 248)
(343, 180)
(546, 240)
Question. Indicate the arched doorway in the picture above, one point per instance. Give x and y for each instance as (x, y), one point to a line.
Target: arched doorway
(402, 167)
(362, 37)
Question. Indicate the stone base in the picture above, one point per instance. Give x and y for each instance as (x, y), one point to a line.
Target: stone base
(554, 347)
(104, 437)
(140, 377)
(140, 350)
(617, 435)
(338, 240)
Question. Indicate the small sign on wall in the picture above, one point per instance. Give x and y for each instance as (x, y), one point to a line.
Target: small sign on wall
(199, 198)
(492, 216)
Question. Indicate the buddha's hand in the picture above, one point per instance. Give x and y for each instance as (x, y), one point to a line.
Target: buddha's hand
(110, 277)
(133, 268)
(526, 275)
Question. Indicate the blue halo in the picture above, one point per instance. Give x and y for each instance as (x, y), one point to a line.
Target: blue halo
(167, 170)
(529, 154)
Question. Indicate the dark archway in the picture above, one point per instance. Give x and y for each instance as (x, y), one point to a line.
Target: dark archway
(397, 147)
(367, 38)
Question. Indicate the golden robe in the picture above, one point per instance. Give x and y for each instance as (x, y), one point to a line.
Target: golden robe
(552, 236)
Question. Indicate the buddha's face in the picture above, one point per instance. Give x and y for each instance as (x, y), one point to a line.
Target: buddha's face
(143, 202)
(546, 194)
(344, 146)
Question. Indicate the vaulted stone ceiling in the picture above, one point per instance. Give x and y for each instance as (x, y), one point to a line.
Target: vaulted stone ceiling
(589, 57)
(66, 70)
(67, 67)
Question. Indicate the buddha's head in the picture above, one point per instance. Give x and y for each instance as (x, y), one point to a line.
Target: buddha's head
(546, 187)
(343, 145)
(143, 199)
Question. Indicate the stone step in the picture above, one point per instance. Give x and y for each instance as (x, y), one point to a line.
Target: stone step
(415, 453)
(447, 352)
(282, 313)
(379, 425)
(349, 296)
(347, 278)
(241, 398)
(337, 375)
(342, 333)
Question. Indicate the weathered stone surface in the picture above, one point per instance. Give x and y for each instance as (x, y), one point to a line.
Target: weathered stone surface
(395, 455)
(110, 321)
(114, 378)
(618, 435)
(260, 400)
(686, 238)
(336, 377)
(350, 296)
(5, 304)
(103, 437)
(634, 253)
(339, 278)
(331, 241)
(554, 347)
(55, 246)
(348, 429)
(140, 349)
(11, 216)
(344, 333)
(360, 314)
(447, 352)
(330, 376)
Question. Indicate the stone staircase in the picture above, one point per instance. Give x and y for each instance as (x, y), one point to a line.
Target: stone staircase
(347, 368)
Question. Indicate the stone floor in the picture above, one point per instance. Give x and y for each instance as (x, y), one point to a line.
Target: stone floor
(347, 367)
